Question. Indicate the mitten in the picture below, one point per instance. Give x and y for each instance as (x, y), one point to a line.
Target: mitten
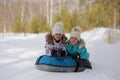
(76, 56)
(62, 53)
(54, 53)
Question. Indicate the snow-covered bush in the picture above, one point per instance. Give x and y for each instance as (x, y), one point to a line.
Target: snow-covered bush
(113, 35)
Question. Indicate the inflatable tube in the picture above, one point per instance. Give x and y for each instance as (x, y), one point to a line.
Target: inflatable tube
(53, 64)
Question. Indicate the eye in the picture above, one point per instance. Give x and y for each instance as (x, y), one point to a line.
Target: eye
(58, 34)
(71, 38)
(75, 38)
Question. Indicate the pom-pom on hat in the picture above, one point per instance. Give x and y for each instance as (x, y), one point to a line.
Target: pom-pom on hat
(76, 32)
(58, 28)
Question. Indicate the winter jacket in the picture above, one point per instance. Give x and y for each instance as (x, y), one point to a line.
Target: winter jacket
(78, 48)
(52, 44)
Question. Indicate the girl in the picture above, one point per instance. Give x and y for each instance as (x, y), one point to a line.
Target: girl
(77, 50)
(55, 41)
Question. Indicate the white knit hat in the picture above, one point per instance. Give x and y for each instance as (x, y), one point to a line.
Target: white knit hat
(76, 32)
(58, 28)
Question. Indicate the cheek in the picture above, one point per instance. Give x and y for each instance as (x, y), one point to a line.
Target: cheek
(57, 37)
(73, 41)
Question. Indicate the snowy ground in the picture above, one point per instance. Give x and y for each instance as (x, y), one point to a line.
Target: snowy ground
(18, 54)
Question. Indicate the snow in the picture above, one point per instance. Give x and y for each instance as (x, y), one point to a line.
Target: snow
(18, 54)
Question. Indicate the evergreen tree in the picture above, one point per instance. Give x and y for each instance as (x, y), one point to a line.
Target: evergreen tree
(17, 25)
(98, 15)
(66, 18)
(75, 18)
(43, 26)
(34, 25)
(116, 10)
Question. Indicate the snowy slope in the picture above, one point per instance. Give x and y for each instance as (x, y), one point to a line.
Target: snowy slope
(18, 54)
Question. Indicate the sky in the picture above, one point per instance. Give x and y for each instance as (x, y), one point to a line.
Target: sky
(18, 54)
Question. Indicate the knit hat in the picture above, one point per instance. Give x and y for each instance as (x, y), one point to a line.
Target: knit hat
(75, 32)
(58, 28)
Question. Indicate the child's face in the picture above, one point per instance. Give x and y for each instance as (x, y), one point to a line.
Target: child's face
(57, 36)
(74, 40)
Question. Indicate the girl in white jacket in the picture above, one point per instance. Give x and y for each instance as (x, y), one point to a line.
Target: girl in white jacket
(55, 41)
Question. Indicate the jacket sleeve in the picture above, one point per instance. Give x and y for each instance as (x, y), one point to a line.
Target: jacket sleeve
(83, 53)
(48, 48)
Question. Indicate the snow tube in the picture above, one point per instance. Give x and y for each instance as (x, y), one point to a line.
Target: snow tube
(53, 64)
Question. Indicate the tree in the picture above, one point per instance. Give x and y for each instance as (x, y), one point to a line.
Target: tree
(97, 16)
(43, 26)
(34, 25)
(75, 18)
(17, 26)
(116, 5)
(66, 18)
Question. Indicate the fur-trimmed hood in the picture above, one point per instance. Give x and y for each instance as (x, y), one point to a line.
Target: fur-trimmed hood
(49, 39)
(82, 43)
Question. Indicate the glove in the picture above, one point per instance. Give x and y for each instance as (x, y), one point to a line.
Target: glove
(76, 56)
(61, 53)
(58, 53)
(54, 53)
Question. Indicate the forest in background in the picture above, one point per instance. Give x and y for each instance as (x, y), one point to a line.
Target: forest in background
(36, 16)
